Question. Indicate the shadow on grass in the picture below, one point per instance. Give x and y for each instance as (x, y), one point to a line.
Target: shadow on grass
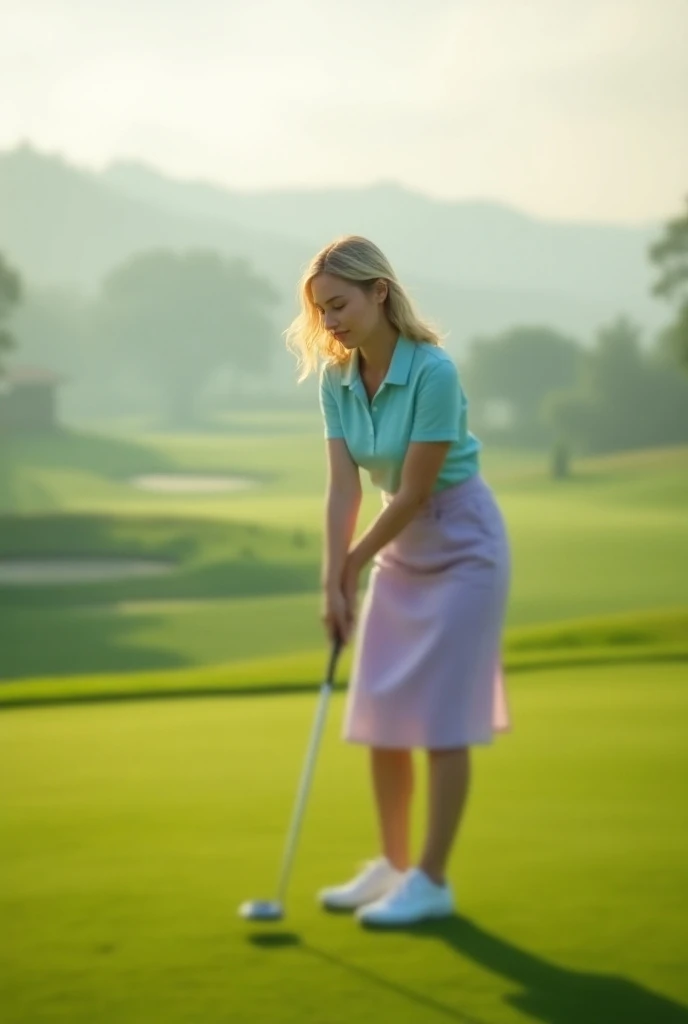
(79, 641)
(550, 994)
(280, 940)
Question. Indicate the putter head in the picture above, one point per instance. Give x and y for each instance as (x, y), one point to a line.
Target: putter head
(262, 910)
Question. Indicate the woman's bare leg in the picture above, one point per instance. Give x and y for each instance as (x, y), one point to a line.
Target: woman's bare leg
(392, 772)
(448, 778)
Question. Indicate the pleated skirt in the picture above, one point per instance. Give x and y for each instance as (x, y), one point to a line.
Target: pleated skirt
(427, 667)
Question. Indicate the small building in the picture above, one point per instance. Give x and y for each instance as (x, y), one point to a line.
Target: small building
(28, 400)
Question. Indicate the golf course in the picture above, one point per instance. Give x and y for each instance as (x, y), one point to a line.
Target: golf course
(160, 659)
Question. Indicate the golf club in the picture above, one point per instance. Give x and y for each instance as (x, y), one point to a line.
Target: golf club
(273, 910)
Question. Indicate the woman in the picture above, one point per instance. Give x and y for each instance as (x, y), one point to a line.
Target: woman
(426, 669)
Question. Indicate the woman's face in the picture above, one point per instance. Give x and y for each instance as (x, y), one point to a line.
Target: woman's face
(349, 313)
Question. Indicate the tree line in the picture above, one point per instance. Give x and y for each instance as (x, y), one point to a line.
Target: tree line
(167, 323)
(161, 326)
(534, 385)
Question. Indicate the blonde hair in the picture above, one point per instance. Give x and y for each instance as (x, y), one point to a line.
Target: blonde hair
(359, 261)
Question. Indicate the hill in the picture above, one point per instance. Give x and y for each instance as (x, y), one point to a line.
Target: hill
(473, 267)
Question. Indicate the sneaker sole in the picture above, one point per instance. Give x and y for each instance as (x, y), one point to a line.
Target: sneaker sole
(339, 908)
(334, 908)
(437, 916)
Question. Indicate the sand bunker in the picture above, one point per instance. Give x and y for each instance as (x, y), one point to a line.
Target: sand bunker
(179, 483)
(39, 571)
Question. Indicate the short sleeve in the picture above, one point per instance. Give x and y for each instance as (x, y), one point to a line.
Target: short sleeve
(437, 408)
(329, 408)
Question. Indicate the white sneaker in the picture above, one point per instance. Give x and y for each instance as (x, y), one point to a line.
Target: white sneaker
(377, 879)
(416, 898)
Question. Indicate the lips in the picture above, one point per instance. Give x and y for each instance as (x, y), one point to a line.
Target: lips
(340, 334)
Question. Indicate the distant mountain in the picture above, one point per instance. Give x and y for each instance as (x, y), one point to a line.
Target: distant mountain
(474, 267)
(61, 224)
(476, 245)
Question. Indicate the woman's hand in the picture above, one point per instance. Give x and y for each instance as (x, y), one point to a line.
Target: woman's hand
(339, 602)
(335, 616)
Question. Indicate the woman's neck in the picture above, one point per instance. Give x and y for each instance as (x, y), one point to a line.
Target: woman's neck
(376, 354)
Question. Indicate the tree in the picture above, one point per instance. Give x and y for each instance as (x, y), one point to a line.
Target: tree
(10, 296)
(615, 377)
(520, 367)
(53, 324)
(626, 398)
(670, 254)
(180, 317)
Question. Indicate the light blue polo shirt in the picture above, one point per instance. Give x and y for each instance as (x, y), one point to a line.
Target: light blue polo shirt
(420, 399)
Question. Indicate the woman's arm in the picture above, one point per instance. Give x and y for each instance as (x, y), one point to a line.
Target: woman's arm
(423, 462)
(435, 427)
(342, 505)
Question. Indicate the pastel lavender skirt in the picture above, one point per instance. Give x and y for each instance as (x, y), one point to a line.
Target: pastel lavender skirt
(427, 666)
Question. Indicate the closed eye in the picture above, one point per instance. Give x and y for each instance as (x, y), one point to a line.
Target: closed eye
(336, 308)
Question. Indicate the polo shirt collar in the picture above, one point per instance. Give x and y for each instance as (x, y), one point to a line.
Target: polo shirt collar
(351, 372)
(399, 368)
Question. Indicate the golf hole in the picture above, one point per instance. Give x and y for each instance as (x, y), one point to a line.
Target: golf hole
(191, 483)
(26, 572)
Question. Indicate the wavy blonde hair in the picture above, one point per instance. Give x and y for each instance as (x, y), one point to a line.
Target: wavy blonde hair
(359, 261)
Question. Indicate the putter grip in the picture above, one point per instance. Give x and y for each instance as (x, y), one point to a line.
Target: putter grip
(337, 645)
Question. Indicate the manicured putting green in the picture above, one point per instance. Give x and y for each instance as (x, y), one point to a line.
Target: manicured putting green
(130, 834)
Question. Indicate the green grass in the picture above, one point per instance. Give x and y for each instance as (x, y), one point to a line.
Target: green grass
(614, 538)
(92, 473)
(205, 558)
(132, 637)
(82, 472)
(130, 831)
(130, 834)
(642, 637)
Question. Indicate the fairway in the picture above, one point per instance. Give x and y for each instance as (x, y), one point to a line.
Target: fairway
(613, 538)
(131, 833)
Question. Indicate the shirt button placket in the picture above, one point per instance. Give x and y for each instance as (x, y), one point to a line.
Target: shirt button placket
(373, 409)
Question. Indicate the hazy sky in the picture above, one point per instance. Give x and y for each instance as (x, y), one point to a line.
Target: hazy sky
(564, 108)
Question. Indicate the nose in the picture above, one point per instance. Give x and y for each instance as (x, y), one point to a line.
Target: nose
(331, 321)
